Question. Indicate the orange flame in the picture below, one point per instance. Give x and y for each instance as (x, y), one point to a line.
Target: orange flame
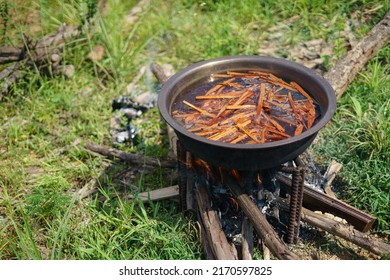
(235, 203)
(203, 165)
(236, 175)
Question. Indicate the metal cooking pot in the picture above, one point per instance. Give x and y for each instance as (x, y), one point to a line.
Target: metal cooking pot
(246, 156)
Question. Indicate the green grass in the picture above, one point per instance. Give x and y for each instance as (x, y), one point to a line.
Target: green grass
(46, 120)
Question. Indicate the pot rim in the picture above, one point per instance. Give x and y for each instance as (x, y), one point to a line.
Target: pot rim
(164, 104)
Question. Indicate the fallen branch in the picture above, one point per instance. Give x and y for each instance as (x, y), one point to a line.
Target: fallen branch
(340, 229)
(44, 55)
(133, 158)
(88, 189)
(346, 232)
(10, 54)
(316, 200)
(345, 70)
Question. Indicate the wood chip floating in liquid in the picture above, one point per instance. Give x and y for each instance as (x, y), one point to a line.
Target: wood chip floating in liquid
(247, 108)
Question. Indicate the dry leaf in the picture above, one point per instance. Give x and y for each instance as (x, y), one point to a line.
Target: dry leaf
(97, 53)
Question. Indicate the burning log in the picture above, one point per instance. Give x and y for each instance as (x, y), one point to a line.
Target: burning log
(220, 246)
(261, 225)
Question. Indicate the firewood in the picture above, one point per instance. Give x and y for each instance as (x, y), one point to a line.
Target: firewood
(220, 246)
(340, 229)
(316, 200)
(158, 194)
(159, 73)
(260, 223)
(207, 248)
(346, 232)
(247, 239)
(266, 252)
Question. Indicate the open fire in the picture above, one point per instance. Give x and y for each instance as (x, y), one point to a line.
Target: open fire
(239, 209)
(201, 183)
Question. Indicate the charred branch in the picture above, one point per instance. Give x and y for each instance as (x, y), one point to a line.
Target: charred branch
(133, 158)
(260, 223)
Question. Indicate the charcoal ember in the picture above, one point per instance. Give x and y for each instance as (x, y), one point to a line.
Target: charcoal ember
(278, 224)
